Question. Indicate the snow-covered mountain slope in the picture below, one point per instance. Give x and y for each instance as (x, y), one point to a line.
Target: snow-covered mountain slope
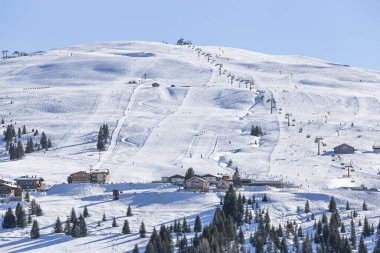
(202, 122)
(195, 118)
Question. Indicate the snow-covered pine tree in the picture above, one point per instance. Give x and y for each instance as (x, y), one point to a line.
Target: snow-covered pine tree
(126, 230)
(9, 219)
(35, 230)
(58, 226)
(142, 230)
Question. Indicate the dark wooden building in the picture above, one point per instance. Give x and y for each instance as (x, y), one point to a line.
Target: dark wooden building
(344, 149)
(79, 177)
(30, 183)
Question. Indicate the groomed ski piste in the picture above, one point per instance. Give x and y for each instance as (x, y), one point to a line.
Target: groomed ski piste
(195, 118)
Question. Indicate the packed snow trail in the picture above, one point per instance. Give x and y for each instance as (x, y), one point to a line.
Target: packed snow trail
(115, 134)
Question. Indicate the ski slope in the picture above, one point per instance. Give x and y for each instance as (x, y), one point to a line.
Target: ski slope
(195, 118)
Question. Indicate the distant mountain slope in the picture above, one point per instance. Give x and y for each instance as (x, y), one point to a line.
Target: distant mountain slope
(195, 118)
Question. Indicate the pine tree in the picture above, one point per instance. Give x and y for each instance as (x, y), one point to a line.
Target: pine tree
(2, 121)
(236, 179)
(114, 223)
(39, 211)
(82, 226)
(189, 173)
(264, 198)
(362, 246)
(9, 220)
(73, 215)
(104, 217)
(307, 207)
(35, 231)
(19, 213)
(32, 207)
(129, 211)
(197, 224)
(85, 212)
(348, 206)
(365, 207)
(101, 143)
(241, 239)
(19, 133)
(142, 230)
(29, 146)
(136, 249)
(353, 234)
(67, 228)
(27, 197)
(44, 141)
(332, 205)
(23, 129)
(12, 152)
(366, 228)
(29, 219)
(126, 230)
(20, 150)
(58, 226)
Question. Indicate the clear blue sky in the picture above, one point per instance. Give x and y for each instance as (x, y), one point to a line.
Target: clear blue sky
(343, 31)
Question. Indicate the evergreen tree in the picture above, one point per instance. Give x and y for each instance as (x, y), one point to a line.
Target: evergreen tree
(27, 197)
(241, 239)
(67, 228)
(82, 226)
(12, 152)
(85, 212)
(366, 228)
(29, 219)
(307, 207)
(29, 146)
(136, 249)
(114, 223)
(104, 217)
(377, 246)
(129, 211)
(332, 205)
(142, 230)
(35, 230)
(19, 150)
(39, 211)
(73, 216)
(19, 133)
(353, 234)
(197, 224)
(365, 207)
(236, 179)
(2, 121)
(32, 207)
(264, 198)
(101, 143)
(348, 206)
(189, 173)
(44, 141)
(362, 246)
(126, 230)
(9, 220)
(58, 226)
(23, 129)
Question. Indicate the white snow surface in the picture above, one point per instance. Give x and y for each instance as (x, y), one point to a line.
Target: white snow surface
(202, 122)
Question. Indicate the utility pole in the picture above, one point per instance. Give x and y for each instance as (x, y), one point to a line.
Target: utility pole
(348, 167)
(318, 140)
(288, 115)
(251, 84)
(272, 105)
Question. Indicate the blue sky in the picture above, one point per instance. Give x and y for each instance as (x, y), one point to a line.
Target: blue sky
(343, 31)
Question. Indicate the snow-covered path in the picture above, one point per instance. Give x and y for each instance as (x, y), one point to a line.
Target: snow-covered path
(116, 132)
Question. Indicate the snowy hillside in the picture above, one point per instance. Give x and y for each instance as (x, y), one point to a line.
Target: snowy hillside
(195, 118)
